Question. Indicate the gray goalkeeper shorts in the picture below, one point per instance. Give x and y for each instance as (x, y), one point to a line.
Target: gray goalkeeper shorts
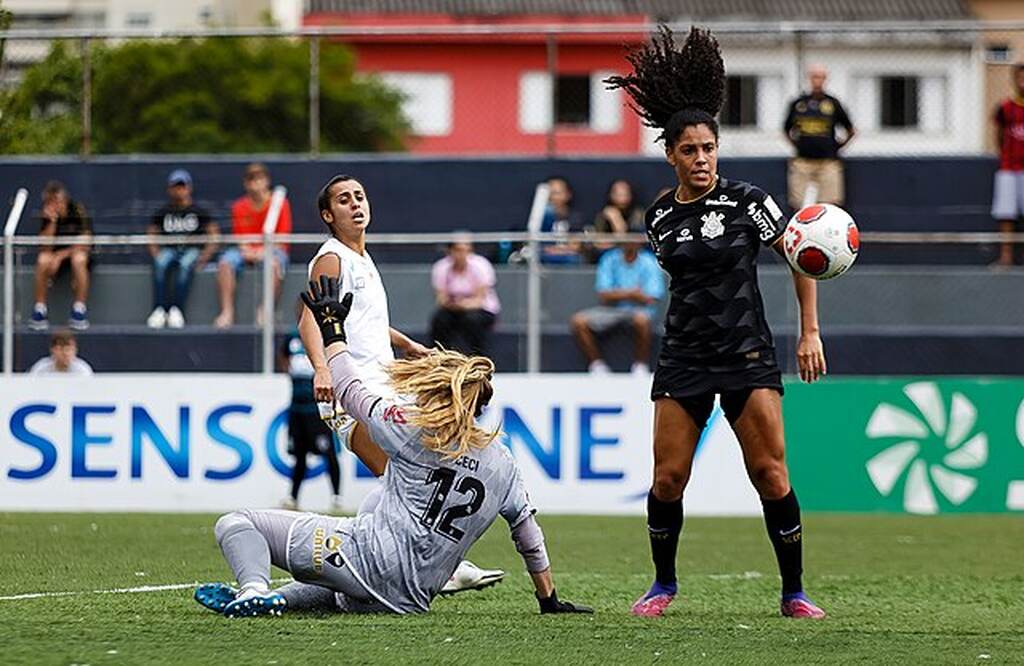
(316, 554)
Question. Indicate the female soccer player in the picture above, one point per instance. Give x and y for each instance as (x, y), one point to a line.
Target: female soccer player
(444, 486)
(706, 235)
(345, 208)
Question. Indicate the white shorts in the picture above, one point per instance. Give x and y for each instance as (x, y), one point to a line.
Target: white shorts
(1008, 195)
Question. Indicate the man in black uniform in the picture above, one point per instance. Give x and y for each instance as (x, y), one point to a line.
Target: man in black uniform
(811, 127)
(706, 234)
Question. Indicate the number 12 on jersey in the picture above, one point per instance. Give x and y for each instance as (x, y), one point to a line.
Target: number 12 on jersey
(441, 518)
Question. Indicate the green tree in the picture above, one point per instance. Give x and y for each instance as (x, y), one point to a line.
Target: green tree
(202, 96)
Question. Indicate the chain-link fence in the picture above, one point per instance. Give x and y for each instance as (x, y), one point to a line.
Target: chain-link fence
(909, 90)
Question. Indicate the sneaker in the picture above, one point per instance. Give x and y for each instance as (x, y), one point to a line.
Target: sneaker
(335, 504)
(174, 318)
(215, 596)
(157, 318)
(654, 602)
(39, 320)
(640, 368)
(79, 319)
(599, 367)
(255, 604)
(468, 576)
(799, 606)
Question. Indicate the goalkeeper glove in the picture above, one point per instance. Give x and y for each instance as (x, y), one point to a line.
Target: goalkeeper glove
(552, 604)
(328, 311)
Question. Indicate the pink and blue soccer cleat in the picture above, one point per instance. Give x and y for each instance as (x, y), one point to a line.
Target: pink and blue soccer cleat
(799, 606)
(655, 601)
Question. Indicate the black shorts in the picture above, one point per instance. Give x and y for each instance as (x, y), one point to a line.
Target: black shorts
(695, 388)
(309, 434)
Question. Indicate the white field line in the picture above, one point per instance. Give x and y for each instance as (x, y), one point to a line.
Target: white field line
(116, 590)
(746, 575)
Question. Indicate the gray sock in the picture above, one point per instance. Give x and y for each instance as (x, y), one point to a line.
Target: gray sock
(245, 549)
(306, 597)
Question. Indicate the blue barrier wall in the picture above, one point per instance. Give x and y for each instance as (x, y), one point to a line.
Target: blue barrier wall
(416, 194)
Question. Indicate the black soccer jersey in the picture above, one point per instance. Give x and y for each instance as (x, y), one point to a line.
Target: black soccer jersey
(709, 248)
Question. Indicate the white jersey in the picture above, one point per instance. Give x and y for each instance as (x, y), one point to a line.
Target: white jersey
(367, 327)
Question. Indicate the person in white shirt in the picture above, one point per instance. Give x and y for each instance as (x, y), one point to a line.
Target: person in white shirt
(345, 209)
(63, 358)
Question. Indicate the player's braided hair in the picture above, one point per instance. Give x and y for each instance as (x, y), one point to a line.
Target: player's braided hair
(450, 390)
(672, 88)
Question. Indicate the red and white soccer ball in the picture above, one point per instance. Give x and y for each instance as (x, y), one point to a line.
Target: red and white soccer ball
(821, 241)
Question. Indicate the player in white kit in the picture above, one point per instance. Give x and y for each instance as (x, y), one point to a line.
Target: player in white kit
(445, 485)
(345, 208)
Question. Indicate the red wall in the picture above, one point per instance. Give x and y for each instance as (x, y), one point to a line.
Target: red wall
(485, 72)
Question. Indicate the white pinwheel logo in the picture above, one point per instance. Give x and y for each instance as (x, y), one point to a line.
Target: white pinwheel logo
(931, 433)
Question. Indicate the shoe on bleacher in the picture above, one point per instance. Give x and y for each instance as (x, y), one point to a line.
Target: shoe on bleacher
(175, 319)
(79, 319)
(39, 320)
(157, 318)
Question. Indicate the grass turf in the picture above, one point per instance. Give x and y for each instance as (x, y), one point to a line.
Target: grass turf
(897, 589)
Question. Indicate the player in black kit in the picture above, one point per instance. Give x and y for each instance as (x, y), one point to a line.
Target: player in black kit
(706, 234)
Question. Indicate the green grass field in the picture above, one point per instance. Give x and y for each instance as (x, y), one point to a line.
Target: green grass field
(898, 590)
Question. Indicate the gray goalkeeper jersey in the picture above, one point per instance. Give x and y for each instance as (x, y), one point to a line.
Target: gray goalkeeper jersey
(432, 509)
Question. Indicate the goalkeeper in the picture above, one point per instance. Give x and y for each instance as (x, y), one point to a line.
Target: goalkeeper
(443, 489)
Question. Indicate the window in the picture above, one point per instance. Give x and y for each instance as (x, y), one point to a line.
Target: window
(138, 19)
(572, 99)
(426, 100)
(898, 102)
(740, 108)
(999, 54)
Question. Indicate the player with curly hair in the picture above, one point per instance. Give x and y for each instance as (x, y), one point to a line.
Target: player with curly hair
(706, 233)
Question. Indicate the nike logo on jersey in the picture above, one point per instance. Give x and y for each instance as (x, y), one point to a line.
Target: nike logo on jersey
(659, 214)
(665, 234)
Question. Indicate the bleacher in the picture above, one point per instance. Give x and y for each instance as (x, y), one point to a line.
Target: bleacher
(904, 309)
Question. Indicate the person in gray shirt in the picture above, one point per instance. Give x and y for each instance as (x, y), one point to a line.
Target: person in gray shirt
(444, 486)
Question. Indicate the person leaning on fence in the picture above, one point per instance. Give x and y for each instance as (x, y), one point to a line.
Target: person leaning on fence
(1008, 188)
(63, 358)
(248, 214)
(811, 127)
(466, 303)
(197, 236)
(629, 284)
(61, 217)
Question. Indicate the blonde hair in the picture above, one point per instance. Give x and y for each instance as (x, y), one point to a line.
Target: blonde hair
(450, 389)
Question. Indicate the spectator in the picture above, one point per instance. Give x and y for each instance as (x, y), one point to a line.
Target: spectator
(628, 283)
(248, 214)
(620, 214)
(197, 234)
(62, 216)
(467, 305)
(811, 128)
(63, 358)
(1008, 188)
(560, 218)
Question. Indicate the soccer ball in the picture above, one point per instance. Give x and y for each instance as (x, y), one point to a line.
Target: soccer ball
(821, 241)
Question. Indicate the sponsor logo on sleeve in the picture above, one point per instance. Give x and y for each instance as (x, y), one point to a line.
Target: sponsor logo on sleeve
(766, 230)
(773, 208)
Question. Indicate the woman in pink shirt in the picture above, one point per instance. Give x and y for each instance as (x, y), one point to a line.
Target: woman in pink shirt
(467, 305)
